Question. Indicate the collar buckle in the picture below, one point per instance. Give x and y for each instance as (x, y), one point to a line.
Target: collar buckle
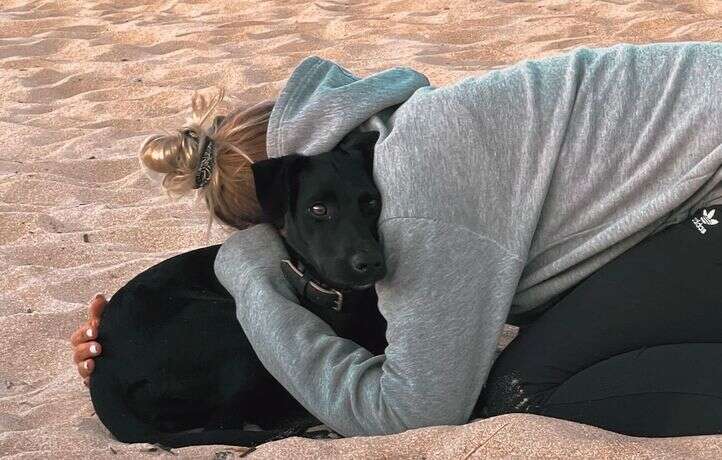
(309, 289)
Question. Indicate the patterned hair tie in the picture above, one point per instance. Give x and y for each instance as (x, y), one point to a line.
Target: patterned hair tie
(208, 158)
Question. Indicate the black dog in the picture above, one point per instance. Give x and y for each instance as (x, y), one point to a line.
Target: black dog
(177, 369)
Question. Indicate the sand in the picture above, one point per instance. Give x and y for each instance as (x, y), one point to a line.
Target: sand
(82, 83)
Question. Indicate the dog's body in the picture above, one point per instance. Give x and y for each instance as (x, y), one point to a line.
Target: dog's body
(176, 367)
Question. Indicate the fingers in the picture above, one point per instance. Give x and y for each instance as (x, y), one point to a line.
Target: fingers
(84, 346)
(89, 329)
(96, 306)
(85, 332)
(85, 351)
(85, 368)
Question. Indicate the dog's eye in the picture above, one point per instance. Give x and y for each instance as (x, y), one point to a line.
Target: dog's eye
(371, 205)
(318, 209)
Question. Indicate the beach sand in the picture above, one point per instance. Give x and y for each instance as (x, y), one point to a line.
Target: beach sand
(82, 83)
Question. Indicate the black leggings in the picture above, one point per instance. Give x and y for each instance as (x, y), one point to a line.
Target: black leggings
(634, 348)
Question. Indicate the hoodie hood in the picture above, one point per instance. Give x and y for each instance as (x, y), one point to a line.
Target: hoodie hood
(322, 102)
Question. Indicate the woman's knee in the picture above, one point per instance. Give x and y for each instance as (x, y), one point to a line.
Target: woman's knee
(663, 390)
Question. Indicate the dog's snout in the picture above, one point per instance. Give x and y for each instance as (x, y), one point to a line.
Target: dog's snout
(364, 262)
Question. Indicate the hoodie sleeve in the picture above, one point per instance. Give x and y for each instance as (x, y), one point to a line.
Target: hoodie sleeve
(445, 299)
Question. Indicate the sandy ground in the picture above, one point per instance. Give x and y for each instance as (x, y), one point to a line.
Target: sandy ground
(83, 82)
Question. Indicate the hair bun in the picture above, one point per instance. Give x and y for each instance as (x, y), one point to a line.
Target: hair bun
(213, 155)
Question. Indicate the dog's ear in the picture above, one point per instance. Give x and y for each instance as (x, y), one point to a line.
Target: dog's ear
(362, 142)
(274, 181)
(359, 141)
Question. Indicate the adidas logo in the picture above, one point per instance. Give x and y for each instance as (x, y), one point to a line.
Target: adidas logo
(706, 219)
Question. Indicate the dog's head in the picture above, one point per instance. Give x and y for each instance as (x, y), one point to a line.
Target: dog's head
(326, 206)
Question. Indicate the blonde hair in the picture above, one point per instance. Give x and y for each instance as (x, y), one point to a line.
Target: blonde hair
(239, 139)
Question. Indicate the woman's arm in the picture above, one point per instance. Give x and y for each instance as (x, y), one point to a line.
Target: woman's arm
(445, 298)
(85, 348)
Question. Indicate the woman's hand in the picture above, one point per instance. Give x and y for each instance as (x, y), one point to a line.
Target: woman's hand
(84, 347)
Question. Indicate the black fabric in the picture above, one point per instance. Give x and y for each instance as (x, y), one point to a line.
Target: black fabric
(635, 348)
(176, 358)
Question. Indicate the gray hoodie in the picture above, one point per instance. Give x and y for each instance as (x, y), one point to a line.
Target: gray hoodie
(499, 192)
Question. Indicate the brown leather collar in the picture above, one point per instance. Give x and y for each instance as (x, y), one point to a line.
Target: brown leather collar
(310, 289)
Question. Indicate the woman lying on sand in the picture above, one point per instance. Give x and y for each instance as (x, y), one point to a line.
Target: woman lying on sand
(576, 195)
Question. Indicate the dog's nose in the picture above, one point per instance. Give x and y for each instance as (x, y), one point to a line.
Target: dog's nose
(364, 262)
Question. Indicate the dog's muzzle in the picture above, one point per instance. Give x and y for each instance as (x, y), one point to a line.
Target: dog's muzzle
(310, 289)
